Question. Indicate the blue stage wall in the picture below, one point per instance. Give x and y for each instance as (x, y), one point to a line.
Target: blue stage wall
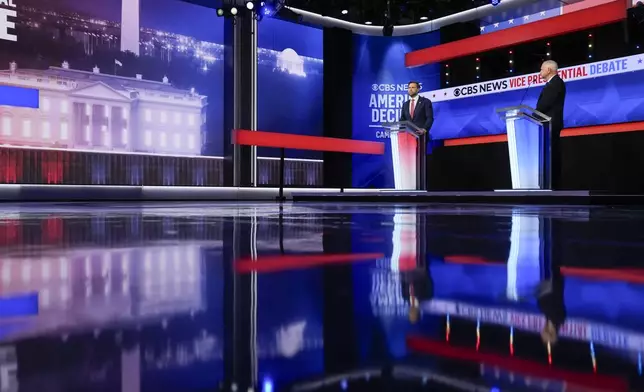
(289, 101)
(379, 90)
(605, 92)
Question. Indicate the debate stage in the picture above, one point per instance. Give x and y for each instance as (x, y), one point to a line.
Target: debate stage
(97, 193)
(539, 197)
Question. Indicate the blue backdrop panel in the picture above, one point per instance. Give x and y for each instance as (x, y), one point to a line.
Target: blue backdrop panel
(599, 100)
(289, 82)
(379, 90)
(190, 55)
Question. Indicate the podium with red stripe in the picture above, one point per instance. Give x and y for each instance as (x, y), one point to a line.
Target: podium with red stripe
(407, 156)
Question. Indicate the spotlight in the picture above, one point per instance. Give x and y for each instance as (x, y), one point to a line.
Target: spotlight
(368, 23)
(250, 5)
(495, 2)
(344, 12)
(220, 12)
(233, 11)
(423, 18)
(266, 9)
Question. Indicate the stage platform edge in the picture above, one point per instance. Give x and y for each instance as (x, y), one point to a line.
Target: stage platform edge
(77, 193)
(567, 197)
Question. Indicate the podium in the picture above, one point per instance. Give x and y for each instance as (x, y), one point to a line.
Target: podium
(407, 155)
(529, 146)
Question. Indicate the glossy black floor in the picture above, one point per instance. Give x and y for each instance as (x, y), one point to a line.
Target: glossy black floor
(208, 297)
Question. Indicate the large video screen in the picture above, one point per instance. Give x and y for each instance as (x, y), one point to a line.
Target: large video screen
(592, 93)
(289, 81)
(125, 92)
(117, 75)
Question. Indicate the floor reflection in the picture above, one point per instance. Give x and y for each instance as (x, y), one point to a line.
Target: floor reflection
(203, 297)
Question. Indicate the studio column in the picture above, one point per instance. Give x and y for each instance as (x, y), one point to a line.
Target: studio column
(240, 98)
(338, 103)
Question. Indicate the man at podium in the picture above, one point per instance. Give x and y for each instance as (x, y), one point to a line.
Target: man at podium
(419, 111)
(551, 103)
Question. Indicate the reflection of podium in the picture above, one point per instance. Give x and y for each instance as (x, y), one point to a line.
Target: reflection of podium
(529, 146)
(407, 155)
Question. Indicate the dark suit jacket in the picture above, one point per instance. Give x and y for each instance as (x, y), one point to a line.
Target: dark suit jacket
(423, 113)
(551, 103)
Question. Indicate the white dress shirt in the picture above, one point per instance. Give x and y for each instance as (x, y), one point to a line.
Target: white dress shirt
(415, 100)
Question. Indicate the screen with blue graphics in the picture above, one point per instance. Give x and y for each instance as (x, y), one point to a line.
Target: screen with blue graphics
(132, 78)
(605, 92)
(379, 90)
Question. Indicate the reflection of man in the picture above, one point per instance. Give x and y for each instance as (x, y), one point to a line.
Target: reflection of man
(419, 111)
(550, 293)
(417, 285)
(551, 303)
(551, 103)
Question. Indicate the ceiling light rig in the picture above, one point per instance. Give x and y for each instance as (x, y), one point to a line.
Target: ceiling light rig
(257, 8)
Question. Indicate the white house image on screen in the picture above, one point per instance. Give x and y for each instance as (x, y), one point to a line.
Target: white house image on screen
(91, 110)
(289, 61)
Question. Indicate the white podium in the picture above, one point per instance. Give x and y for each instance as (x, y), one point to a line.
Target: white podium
(408, 156)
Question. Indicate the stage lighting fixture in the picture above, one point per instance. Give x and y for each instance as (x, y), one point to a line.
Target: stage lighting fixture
(220, 12)
(344, 12)
(250, 5)
(495, 2)
(269, 8)
(423, 18)
(368, 23)
(233, 11)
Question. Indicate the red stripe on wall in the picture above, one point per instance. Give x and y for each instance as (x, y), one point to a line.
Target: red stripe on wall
(614, 11)
(302, 142)
(581, 131)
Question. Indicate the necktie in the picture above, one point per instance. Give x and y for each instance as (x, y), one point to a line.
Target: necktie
(412, 106)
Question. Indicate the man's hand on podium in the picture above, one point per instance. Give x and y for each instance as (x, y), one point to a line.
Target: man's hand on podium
(422, 131)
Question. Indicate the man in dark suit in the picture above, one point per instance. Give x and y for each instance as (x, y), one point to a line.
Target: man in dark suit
(551, 103)
(420, 112)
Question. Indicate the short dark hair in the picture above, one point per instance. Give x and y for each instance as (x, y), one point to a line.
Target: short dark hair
(414, 82)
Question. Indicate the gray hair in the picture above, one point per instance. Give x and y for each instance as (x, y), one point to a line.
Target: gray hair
(551, 64)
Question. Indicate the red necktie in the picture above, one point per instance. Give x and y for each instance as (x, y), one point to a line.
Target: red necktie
(412, 106)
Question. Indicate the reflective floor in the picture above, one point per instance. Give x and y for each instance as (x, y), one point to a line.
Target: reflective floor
(238, 297)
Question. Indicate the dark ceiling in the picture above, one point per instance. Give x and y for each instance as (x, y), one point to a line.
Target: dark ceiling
(375, 11)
